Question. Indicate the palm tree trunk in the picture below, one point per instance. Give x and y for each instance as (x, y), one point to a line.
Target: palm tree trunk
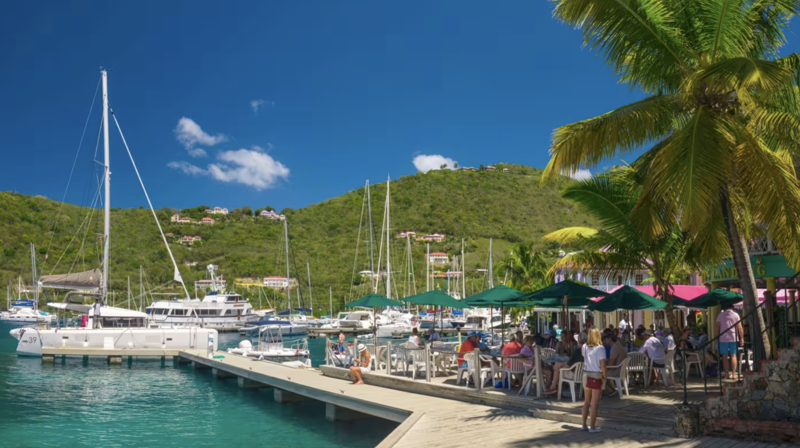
(662, 292)
(741, 260)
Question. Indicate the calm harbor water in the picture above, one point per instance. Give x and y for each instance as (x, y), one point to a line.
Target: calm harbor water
(83, 404)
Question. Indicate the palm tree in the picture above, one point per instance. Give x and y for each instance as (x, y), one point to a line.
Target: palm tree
(619, 247)
(723, 117)
(525, 269)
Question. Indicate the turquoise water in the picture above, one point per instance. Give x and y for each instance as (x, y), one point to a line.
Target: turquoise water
(83, 404)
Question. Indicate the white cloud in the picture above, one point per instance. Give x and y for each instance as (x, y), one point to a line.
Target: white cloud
(258, 104)
(250, 167)
(426, 163)
(197, 152)
(190, 134)
(255, 104)
(186, 167)
(581, 174)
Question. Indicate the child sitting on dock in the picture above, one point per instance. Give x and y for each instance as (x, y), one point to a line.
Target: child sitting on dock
(360, 365)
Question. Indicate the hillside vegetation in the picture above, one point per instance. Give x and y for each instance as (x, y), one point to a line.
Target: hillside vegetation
(476, 206)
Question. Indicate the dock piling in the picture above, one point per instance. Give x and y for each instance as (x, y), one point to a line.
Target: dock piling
(335, 413)
(284, 396)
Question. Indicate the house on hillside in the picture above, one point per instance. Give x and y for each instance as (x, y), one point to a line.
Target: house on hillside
(170, 234)
(271, 215)
(175, 218)
(207, 220)
(186, 239)
(184, 220)
(491, 168)
(208, 210)
(197, 238)
(506, 170)
(467, 168)
(438, 258)
(279, 282)
(206, 284)
(218, 211)
(409, 234)
(435, 237)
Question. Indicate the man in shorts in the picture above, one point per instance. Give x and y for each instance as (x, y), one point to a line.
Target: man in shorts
(730, 340)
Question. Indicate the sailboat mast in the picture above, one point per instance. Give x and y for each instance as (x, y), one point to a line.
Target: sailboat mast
(330, 303)
(141, 288)
(428, 267)
(129, 292)
(371, 249)
(491, 278)
(388, 241)
(107, 183)
(310, 297)
(34, 284)
(463, 272)
(288, 283)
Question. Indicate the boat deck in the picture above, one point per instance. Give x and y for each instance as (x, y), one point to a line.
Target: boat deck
(426, 419)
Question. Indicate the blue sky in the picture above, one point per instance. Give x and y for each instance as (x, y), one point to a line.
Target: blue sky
(343, 91)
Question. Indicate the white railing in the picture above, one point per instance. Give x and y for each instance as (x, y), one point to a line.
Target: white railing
(763, 246)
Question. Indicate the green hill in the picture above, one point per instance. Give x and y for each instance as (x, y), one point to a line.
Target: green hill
(476, 206)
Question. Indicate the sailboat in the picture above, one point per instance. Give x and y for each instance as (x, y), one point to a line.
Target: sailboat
(119, 327)
(293, 325)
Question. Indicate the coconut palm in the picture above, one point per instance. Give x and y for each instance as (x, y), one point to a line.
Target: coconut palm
(723, 116)
(524, 268)
(619, 247)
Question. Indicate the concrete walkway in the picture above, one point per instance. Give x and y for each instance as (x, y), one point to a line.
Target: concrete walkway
(430, 420)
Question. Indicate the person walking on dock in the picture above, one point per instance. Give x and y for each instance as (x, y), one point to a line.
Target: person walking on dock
(361, 364)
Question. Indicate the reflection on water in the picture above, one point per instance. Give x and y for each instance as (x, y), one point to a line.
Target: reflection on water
(145, 403)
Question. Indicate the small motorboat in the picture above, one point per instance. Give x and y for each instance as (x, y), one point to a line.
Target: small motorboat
(272, 348)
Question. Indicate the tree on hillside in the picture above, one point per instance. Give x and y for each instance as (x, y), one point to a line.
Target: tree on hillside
(619, 246)
(455, 165)
(267, 208)
(443, 166)
(723, 117)
(481, 168)
(247, 211)
(525, 268)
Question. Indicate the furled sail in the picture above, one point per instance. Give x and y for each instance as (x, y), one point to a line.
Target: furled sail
(80, 280)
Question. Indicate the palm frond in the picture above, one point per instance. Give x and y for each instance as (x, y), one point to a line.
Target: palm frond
(742, 75)
(724, 30)
(605, 199)
(604, 264)
(570, 235)
(640, 39)
(586, 143)
(767, 19)
(693, 167)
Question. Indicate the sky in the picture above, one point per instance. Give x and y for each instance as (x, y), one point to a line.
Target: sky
(284, 103)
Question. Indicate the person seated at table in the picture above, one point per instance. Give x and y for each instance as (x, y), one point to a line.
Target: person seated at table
(414, 338)
(469, 345)
(655, 351)
(575, 357)
(432, 335)
(550, 339)
(566, 346)
(669, 341)
(518, 334)
(513, 347)
(638, 341)
(360, 365)
(617, 355)
(527, 352)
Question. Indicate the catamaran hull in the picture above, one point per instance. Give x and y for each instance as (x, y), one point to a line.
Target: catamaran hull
(31, 340)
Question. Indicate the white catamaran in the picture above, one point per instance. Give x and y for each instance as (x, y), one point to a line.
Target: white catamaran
(114, 327)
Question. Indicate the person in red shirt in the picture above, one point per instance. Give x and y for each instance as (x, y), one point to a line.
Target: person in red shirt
(512, 348)
(469, 344)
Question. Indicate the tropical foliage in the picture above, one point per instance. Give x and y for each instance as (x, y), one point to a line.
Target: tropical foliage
(525, 269)
(619, 247)
(722, 117)
(475, 206)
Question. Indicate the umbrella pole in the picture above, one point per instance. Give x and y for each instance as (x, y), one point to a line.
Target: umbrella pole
(503, 323)
(374, 327)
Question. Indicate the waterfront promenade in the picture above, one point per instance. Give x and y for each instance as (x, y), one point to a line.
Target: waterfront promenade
(425, 419)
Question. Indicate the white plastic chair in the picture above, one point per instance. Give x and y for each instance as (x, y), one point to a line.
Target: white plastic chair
(693, 359)
(404, 356)
(666, 372)
(577, 369)
(621, 380)
(639, 364)
(418, 362)
(469, 366)
(513, 366)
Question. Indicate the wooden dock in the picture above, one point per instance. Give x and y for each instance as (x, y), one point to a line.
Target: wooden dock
(114, 355)
(425, 419)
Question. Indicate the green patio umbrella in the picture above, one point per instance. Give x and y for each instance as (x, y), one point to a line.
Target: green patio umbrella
(564, 294)
(714, 297)
(374, 301)
(499, 295)
(438, 298)
(627, 298)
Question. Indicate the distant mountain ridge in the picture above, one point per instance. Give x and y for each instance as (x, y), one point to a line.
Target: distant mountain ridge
(474, 205)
